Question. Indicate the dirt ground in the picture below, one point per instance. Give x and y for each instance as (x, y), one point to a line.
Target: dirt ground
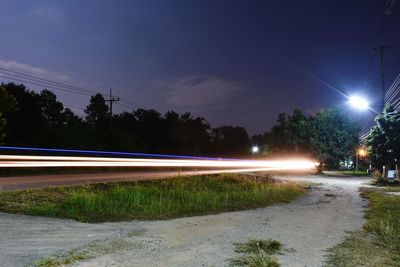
(307, 227)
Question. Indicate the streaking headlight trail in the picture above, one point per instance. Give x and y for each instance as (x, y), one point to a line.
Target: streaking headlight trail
(20, 161)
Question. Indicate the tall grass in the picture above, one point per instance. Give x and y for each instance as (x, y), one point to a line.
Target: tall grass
(378, 244)
(155, 199)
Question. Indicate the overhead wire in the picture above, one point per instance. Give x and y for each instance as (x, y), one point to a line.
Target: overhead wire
(393, 95)
(393, 86)
(46, 81)
(37, 81)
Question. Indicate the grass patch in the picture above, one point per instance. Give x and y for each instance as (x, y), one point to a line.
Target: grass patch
(257, 253)
(259, 259)
(378, 244)
(90, 251)
(152, 199)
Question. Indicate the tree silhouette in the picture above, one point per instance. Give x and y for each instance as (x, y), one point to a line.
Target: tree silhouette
(8, 103)
(384, 139)
(52, 110)
(97, 111)
(334, 137)
(228, 140)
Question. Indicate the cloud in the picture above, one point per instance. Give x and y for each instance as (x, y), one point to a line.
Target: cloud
(32, 70)
(201, 92)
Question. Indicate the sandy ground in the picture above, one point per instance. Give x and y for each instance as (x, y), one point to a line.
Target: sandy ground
(307, 226)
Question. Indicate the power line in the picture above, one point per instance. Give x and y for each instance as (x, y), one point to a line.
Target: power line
(130, 102)
(34, 80)
(393, 96)
(44, 85)
(394, 92)
(124, 105)
(394, 85)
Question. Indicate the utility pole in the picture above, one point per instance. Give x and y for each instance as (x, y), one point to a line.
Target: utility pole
(111, 100)
(382, 53)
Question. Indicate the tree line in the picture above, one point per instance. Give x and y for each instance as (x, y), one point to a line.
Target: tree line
(28, 118)
(329, 136)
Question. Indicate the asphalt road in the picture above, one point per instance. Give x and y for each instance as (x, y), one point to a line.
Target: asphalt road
(37, 181)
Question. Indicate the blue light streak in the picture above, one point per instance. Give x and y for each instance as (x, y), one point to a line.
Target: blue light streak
(99, 152)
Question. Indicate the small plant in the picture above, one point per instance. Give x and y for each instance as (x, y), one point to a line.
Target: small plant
(257, 253)
(252, 246)
(259, 259)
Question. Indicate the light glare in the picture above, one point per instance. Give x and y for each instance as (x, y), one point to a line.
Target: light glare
(359, 102)
(255, 149)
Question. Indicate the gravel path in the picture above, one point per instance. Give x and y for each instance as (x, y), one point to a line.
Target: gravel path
(307, 226)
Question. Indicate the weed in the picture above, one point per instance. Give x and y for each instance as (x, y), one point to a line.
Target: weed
(257, 253)
(257, 259)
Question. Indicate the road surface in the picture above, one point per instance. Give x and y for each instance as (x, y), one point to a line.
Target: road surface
(37, 181)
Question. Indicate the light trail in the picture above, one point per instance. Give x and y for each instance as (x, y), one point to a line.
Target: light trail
(101, 152)
(21, 161)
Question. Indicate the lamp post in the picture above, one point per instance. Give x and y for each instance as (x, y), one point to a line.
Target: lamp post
(360, 153)
(362, 104)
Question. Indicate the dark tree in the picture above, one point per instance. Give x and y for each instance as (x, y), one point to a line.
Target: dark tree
(335, 137)
(292, 134)
(384, 139)
(97, 111)
(228, 140)
(186, 134)
(26, 125)
(8, 103)
(52, 110)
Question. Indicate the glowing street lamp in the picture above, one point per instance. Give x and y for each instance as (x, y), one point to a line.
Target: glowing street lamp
(360, 153)
(359, 102)
(255, 149)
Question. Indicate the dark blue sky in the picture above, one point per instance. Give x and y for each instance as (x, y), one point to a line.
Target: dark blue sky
(233, 62)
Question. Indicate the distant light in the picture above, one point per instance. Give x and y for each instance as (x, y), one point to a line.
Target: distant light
(255, 149)
(362, 152)
(359, 102)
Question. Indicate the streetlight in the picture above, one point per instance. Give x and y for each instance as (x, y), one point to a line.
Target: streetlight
(360, 153)
(255, 149)
(359, 102)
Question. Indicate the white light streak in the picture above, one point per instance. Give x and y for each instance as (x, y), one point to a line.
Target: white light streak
(20, 161)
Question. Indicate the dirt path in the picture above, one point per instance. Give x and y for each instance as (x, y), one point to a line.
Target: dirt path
(307, 227)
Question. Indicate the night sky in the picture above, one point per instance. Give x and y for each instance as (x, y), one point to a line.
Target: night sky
(233, 62)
